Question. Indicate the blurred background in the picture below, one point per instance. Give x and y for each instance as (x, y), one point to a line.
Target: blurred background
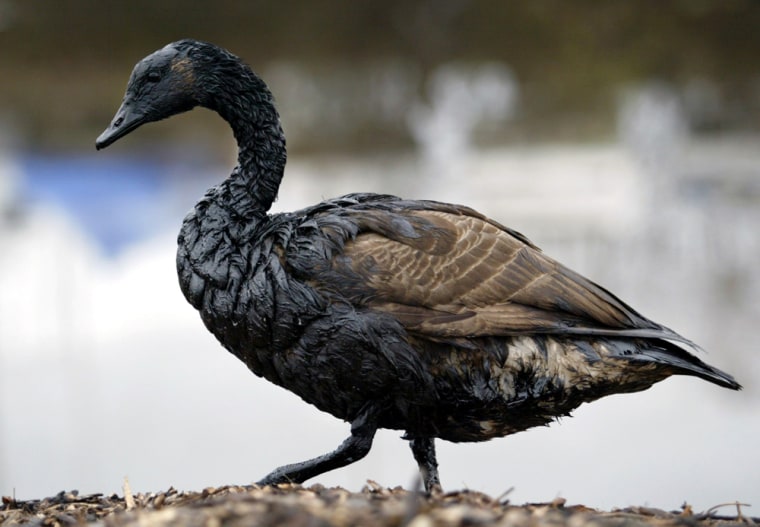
(620, 136)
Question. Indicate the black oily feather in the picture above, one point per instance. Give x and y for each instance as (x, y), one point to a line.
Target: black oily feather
(381, 311)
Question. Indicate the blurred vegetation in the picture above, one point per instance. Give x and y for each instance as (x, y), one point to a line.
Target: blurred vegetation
(64, 64)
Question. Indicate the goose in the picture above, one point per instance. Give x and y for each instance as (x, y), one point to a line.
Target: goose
(411, 315)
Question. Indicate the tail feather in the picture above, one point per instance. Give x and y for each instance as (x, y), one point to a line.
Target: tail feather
(658, 332)
(682, 362)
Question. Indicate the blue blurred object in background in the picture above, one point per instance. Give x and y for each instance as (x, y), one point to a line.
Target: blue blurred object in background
(115, 200)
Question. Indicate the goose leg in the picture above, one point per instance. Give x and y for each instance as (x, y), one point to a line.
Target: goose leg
(423, 449)
(354, 448)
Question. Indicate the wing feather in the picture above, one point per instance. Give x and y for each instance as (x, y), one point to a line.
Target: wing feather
(447, 271)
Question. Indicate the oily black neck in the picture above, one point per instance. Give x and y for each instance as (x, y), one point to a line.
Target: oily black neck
(245, 102)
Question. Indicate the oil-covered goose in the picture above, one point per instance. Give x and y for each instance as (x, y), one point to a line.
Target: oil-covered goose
(418, 316)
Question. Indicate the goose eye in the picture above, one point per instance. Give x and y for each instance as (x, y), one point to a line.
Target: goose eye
(154, 76)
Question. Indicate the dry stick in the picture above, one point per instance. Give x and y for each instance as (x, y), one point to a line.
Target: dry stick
(738, 505)
(128, 499)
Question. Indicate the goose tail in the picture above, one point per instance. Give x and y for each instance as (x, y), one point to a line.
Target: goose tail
(681, 361)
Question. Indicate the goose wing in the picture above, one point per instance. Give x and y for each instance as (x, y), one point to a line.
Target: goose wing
(447, 271)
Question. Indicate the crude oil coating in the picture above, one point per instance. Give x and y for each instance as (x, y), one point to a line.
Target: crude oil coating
(419, 316)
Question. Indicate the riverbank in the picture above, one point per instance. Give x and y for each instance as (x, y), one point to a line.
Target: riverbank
(293, 505)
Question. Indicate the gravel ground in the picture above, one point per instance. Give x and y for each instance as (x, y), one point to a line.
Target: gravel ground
(317, 506)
